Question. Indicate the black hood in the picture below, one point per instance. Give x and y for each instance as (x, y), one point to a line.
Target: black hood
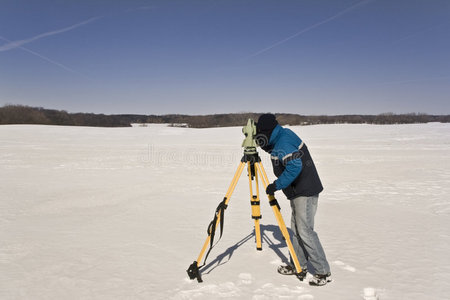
(264, 128)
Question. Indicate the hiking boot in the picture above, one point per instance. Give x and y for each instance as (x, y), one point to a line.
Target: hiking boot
(290, 270)
(320, 279)
(286, 270)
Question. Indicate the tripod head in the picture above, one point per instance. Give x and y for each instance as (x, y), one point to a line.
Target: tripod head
(249, 142)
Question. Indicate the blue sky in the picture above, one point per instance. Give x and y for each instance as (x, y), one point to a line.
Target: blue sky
(220, 56)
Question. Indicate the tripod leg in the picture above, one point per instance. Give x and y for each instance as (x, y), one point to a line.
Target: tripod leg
(276, 210)
(255, 203)
(231, 188)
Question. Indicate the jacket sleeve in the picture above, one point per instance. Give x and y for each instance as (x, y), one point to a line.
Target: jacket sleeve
(291, 171)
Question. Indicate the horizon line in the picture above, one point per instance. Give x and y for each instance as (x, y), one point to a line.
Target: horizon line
(229, 113)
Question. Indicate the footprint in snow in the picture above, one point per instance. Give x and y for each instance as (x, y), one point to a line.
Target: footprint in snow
(246, 278)
(344, 266)
(209, 291)
(306, 297)
(272, 291)
(370, 293)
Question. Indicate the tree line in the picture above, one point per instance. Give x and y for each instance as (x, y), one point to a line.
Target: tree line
(19, 114)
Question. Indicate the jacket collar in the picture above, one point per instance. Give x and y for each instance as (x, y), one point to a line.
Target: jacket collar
(275, 136)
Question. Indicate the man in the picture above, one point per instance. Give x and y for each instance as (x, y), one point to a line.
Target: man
(299, 181)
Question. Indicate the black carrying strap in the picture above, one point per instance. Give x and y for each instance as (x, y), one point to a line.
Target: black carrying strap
(220, 212)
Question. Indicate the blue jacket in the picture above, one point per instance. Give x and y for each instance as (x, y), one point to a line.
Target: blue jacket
(293, 165)
(284, 142)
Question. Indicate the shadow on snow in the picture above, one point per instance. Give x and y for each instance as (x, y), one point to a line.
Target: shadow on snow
(276, 244)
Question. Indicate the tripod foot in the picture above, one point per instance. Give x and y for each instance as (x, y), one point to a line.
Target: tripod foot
(194, 272)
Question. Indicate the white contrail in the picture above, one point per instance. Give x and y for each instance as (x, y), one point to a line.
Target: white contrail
(15, 44)
(45, 58)
(148, 7)
(418, 33)
(413, 80)
(310, 28)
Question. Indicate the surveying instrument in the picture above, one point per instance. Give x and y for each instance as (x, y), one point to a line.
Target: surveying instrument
(255, 169)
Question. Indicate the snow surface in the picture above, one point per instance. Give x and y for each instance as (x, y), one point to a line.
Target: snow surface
(121, 213)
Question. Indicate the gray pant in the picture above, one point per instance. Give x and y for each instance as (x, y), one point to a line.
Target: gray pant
(305, 240)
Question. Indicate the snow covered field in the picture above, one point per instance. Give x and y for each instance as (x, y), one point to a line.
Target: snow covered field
(120, 213)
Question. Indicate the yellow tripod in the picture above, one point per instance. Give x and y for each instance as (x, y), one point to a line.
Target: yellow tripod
(254, 167)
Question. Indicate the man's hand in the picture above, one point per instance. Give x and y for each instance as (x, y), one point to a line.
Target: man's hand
(271, 189)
